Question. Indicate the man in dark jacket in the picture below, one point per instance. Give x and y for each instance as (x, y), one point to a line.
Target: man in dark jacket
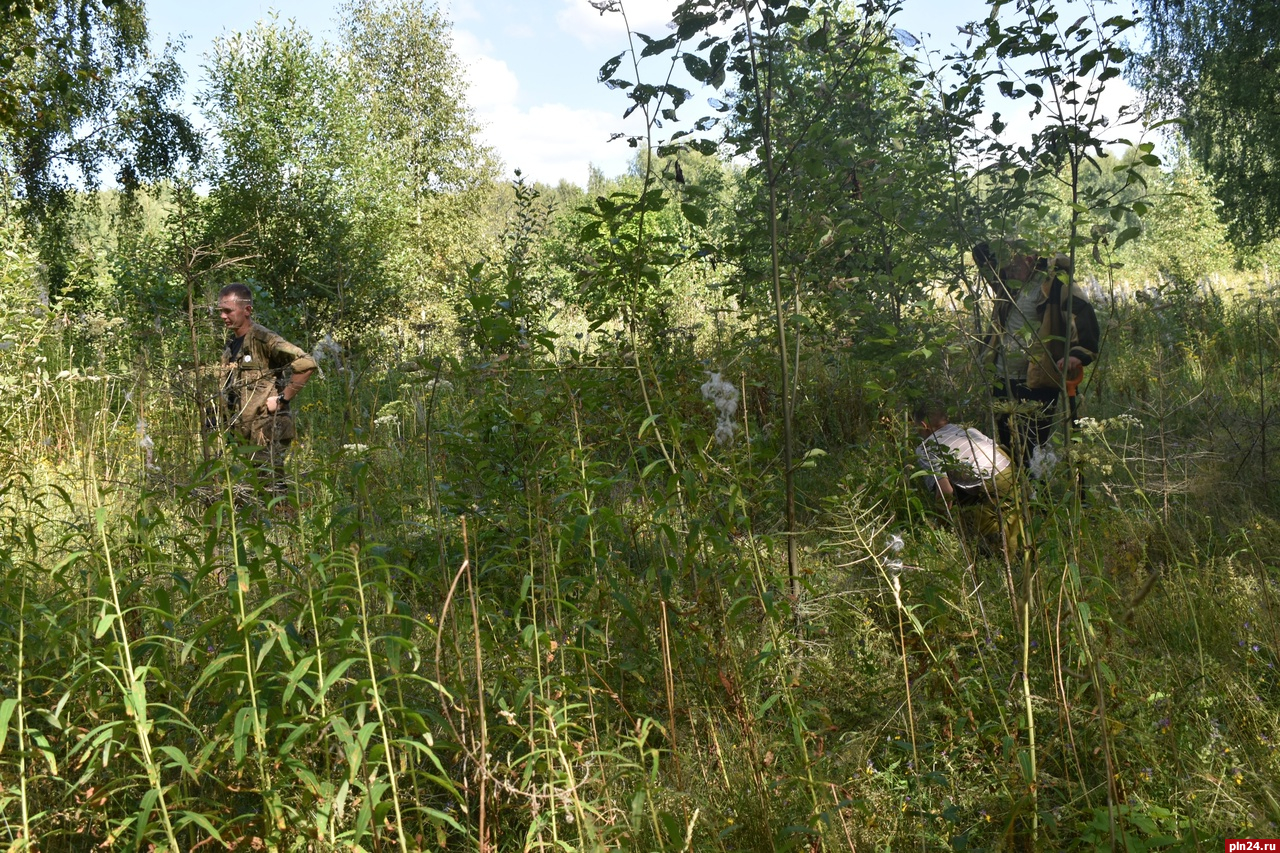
(1043, 334)
(261, 374)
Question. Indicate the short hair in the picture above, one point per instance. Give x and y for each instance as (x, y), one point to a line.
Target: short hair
(930, 410)
(983, 256)
(239, 290)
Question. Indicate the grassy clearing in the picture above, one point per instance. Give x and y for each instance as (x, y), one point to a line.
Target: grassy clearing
(534, 605)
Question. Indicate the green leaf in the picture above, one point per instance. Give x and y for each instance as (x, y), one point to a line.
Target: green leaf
(331, 677)
(186, 818)
(606, 70)
(295, 678)
(145, 808)
(178, 758)
(693, 213)
(654, 47)
(103, 625)
(1127, 234)
(689, 25)
(697, 67)
(46, 750)
(1024, 761)
(240, 733)
(7, 707)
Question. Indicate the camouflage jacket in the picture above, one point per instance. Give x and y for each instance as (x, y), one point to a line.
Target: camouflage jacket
(260, 368)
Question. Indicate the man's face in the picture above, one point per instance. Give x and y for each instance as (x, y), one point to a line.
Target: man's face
(235, 313)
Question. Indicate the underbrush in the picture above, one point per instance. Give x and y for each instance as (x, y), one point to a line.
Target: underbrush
(518, 604)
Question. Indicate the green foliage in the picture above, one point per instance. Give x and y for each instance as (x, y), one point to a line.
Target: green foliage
(352, 171)
(1067, 70)
(297, 176)
(81, 94)
(411, 89)
(551, 586)
(1183, 240)
(1210, 66)
(865, 209)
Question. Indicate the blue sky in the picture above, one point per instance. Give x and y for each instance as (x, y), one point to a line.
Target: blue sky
(531, 65)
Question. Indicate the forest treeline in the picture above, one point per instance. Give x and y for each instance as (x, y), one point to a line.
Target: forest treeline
(603, 529)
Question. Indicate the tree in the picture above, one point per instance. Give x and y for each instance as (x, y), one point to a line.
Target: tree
(298, 175)
(861, 169)
(1215, 64)
(81, 92)
(404, 73)
(354, 169)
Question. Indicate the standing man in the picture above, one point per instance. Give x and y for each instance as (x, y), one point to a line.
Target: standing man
(261, 374)
(1041, 328)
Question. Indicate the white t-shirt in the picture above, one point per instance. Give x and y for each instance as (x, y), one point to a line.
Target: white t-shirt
(965, 456)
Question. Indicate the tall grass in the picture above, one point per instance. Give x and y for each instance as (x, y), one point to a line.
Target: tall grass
(538, 607)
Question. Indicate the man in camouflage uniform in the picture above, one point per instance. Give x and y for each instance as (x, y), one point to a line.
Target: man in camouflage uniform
(261, 374)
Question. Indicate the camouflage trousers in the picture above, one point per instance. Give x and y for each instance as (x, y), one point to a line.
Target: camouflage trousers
(270, 436)
(990, 515)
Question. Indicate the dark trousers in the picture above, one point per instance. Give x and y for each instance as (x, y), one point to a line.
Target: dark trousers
(1021, 432)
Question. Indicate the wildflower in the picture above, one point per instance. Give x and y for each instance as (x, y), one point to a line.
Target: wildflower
(1127, 421)
(509, 717)
(725, 398)
(895, 543)
(355, 449)
(392, 412)
(1146, 774)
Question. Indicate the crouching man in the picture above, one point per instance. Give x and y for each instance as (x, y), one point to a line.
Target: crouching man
(261, 374)
(968, 472)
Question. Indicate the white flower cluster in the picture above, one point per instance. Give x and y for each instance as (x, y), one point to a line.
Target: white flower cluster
(725, 398)
(355, 449)
(1093, 427)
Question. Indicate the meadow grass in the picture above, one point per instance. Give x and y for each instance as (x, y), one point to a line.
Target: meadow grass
(527, 604)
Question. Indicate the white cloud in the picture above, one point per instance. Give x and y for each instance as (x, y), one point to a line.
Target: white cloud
(553, 142)
(580, 19)
(493, 85)
(548, 142)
